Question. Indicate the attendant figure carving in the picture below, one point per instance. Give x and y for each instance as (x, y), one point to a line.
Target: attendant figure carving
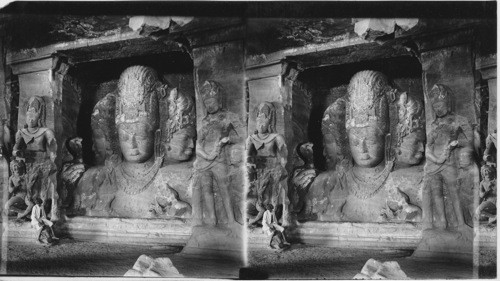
(37, 145)
(449, 132)
(488, 195)
(20, 193)
(266, 160)
(220, 131)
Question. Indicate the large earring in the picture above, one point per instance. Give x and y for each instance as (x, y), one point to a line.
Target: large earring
(158, 150)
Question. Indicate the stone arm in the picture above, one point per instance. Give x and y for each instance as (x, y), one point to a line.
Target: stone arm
(51, 144)
(236, 130)
(12, 186)
(429, 151)
(19, 141)
(249, 153)
(200, 151)
(282, 150)
(490, 144)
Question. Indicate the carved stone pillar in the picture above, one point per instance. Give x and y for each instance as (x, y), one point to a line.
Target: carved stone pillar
(43, 76)
(274, 83)
(447, 60)
(218, 59)
(487, 66)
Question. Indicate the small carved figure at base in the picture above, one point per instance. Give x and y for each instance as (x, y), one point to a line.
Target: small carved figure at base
(271, 227)
(19, 190)
(487, 208)
(40, 222)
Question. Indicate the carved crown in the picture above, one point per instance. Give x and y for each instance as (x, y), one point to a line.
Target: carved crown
(137, 96)
(367, 103)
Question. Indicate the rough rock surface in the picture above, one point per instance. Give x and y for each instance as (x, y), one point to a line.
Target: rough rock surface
(146, 266)
(375, 269)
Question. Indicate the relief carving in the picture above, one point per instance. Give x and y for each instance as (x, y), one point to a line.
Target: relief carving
(266, 160)
(36, 144)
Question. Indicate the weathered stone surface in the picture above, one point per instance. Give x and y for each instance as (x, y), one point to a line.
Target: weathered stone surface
(446, 245)
(370, 29)
(145, 266)
(142, 263)
(374, 269)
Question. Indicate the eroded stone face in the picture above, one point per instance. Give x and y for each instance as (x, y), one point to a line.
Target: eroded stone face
(367, 146)
(101, 147)
(32, 117)
(181, 145)
(411, 150)
(262, 122)
(136, 141)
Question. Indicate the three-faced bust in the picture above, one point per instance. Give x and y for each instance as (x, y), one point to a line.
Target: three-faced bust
(367, 117)
(137, 116)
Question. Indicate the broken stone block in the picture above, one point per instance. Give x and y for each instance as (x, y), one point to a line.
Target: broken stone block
(143, 263)
(139, 21)
(164, 267)
(371, 29)
(145, 266)
(133, 273)
(374, 269)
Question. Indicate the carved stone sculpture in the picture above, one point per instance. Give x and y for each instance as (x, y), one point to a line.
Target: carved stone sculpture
(71, 171)
(219, 131)
(37, 145)
(449, 148)
(449, 132)
(319, 204)
(407, 178)
(490, 152)
(487, 195)
(468, 183)
(19, 192)
(4, 139)
(360, 194)
(106, 154)
(132, 187)
(266, 159)
(303, 176)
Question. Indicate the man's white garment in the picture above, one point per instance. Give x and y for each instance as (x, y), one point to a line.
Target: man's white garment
(39, 213)
(269, 222)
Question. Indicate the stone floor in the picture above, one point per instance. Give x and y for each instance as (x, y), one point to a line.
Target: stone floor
(310, 262)
(70, 258)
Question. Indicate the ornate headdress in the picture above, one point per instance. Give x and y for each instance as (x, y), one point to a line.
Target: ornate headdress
(270, 111)
(367, 101)
(103, 119)
(137, 96)
(38, 103)
(410, 117)
(211, 89)
(181, 113)
(330, 125)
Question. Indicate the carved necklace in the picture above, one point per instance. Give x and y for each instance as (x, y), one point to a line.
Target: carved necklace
(137, 181)
(367, 187)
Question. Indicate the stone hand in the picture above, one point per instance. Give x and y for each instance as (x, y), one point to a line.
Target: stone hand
(452, 144)
(224, 141)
